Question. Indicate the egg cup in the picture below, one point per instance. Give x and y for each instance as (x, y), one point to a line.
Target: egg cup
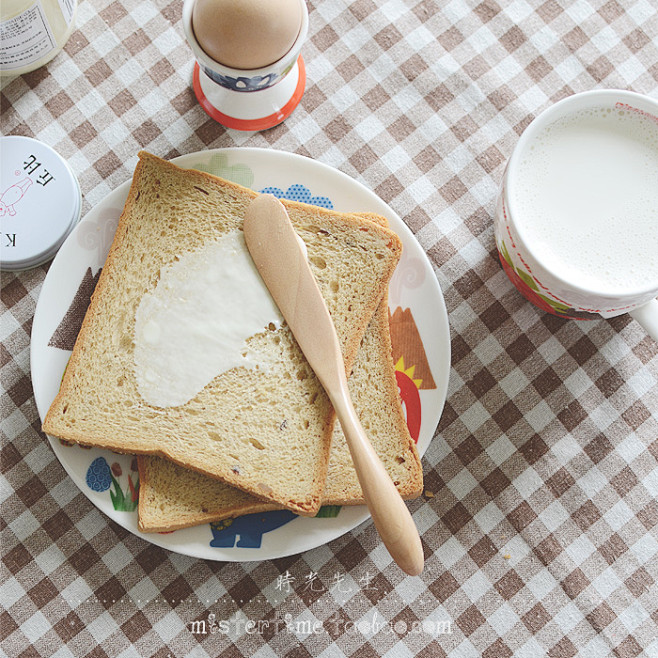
(248, 99)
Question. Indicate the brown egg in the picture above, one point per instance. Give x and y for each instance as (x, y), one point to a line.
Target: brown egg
(246, 34)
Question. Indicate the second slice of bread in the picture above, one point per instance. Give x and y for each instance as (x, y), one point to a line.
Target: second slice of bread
(264, 431)
(172, 497)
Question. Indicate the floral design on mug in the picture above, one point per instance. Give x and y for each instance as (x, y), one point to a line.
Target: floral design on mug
(527, 286)
(523, 279)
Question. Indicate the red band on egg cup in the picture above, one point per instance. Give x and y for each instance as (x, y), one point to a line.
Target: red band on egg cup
(251, 124)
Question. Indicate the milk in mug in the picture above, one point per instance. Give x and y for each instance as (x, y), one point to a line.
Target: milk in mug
(586, 198)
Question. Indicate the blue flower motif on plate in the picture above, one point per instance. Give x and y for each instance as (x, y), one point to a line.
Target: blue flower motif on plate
(99, 477)
(301, 193)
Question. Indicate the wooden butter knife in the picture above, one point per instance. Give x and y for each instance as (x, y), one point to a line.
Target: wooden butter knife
(281, 261)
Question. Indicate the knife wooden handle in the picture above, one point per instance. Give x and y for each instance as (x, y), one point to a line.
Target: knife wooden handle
(389, 512)
(280, 260)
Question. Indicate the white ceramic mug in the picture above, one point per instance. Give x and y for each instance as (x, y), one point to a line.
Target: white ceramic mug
(576, 221)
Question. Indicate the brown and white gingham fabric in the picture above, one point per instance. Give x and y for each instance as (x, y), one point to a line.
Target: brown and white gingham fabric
(540, 519)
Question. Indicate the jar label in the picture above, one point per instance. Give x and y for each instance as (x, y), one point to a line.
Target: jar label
(25, 38)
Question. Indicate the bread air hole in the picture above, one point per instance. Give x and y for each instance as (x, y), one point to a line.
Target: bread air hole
(312, 228)
(400, 460)
(257, 444)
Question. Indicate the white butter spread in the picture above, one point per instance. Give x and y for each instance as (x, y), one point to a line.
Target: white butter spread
(195, 324)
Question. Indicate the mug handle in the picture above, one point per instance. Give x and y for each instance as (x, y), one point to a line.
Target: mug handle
(647, 316)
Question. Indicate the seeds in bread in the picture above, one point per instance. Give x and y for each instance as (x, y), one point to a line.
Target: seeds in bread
(264, 431)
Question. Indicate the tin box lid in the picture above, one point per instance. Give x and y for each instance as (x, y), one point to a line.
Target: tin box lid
(40, 202)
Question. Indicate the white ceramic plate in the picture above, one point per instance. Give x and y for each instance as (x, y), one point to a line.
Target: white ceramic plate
(108, 479)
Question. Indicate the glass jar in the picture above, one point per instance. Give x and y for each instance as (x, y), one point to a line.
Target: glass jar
(32, 32)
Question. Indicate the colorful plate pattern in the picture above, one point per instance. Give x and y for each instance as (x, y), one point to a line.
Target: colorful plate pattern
(419, 332)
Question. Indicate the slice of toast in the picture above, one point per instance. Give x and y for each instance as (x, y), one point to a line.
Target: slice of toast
(265, 429)
(172, 497)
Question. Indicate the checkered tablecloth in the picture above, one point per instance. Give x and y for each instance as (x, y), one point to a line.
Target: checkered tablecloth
(540, 514)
